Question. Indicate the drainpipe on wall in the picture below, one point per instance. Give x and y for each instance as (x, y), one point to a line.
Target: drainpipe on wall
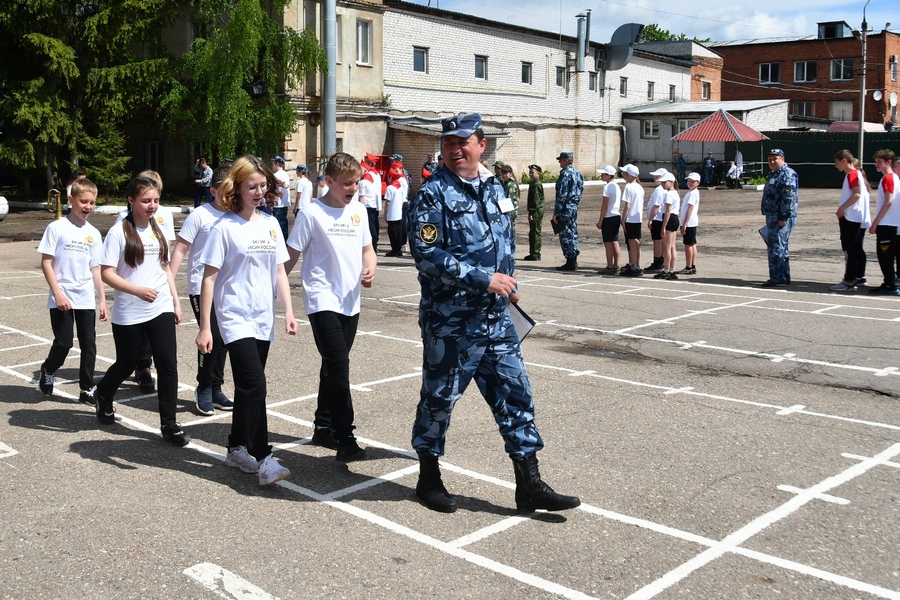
(329, 89)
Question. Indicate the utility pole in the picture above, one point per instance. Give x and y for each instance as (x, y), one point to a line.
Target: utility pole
(862, 86)
(329, 89)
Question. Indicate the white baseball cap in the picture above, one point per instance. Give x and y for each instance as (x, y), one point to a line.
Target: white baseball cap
(608, 170)
(659, 172)
(631, 170)
(667, 177)
(694, 176)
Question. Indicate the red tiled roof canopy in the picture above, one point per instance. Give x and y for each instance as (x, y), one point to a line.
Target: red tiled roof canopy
(720, 127)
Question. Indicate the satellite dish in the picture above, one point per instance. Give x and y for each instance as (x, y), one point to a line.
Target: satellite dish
(893, 98)
(877, 95)
(621, 46)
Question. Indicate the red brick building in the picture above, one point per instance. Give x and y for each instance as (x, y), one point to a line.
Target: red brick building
(820, 74)
(706, 71)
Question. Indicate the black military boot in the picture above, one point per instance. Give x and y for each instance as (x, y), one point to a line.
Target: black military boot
(571, 265)
(430, 489)
(533, 494)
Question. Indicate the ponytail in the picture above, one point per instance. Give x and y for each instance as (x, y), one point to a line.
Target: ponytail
(134, 247)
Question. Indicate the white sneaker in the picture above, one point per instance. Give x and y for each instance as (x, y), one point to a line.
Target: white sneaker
(240, 458)
(270, 471)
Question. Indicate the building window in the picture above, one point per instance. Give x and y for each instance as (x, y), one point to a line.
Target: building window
(420, 60)
(526, 73)
(198, 30)
(893, 67)
(650, 128)
(841, 69)
(705, 87)
(560, 76)
(684, 125)
(339, 39)
(623, 87)
(805, 71)
(671, 93)
(154, 156)
(770, 73)
(592, 82)
(480, 67)
(650, 86)
(840, 110)
(364, 42)
(803, 108)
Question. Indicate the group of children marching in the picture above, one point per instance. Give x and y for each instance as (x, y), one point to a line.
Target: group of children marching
(667, 214)
(238, 261)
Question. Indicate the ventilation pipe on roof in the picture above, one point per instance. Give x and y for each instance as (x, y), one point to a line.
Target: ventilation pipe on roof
(579, 54)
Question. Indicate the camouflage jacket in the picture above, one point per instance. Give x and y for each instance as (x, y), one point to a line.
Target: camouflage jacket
(779, 197)
(569, 188)
(459, 238)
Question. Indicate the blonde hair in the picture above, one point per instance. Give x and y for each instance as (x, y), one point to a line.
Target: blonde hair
(153, 176)
(229, 191)
(83, 186)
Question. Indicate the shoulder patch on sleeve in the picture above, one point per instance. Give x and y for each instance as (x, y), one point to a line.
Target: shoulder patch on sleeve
(428, 233)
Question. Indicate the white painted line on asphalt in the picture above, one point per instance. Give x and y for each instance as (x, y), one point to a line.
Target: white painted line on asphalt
(734, 540)
(486, 532)
(885, 372)
(859, 457)
(678, 390)
(575, 285)
(225, 584)
(6, 451)
(823, 497)
(23, 347)
(373, 482)
(779, 359)
(790, 410)
(691, 313)
(581, 373)
(819, 311)
(21, 296)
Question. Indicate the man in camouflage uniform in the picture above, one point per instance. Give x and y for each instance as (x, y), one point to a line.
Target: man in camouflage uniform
(569, 187)
(460, 237)
(535, 212)
(779, 205)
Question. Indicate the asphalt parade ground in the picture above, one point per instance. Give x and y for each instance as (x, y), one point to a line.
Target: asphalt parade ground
(726, 441)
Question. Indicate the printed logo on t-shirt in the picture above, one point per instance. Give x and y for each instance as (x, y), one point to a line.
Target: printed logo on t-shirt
(356, 219)
(262, 245)
(89, 239)
(160, 219)
(79, 246)
(274, 234)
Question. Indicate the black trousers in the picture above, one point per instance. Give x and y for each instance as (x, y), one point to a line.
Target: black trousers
(210, 367)
(64, 323)
(160, 332)
(886, 246)
(852, 236)
(334, 334)
(249, 424)
(397, 234)
(373, 225)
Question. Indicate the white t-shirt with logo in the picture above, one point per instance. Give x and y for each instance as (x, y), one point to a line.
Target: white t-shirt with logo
(368, 192)
(75, 251)
(164, 219)
(195, 231)
(304, 188)
(247, 254)
(284, 200)
(331, 241)
(634, 196)
(692, 198)
(393, 195)
(657, 198)
(611, 191)
(127, 308)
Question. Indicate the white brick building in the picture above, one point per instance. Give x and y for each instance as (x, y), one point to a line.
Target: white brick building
(522, 81)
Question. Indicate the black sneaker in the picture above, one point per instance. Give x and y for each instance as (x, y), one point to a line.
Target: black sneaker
(175, 434)
(322, 436)
(87, 397)
(145, 381)
(672, 275)
(349, 451)
(885, 291)
(45, 382)
(106, 413)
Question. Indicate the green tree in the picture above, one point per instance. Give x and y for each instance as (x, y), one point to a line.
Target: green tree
(655, 33)
(73, 70)
(230, 87)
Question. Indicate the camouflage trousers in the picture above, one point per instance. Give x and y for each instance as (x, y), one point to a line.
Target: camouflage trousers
(568, 237)
(779, 258)
(491, 354)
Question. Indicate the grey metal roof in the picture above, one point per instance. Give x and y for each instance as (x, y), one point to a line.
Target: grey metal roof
(773, 40)
(700, 107)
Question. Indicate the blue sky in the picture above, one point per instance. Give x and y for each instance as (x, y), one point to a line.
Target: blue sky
(720, 21)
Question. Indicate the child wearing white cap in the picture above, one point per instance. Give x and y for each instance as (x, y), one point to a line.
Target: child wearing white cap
(633, 211)
(690, 207)
(610, 220)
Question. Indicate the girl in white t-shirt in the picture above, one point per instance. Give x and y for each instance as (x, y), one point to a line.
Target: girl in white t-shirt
(655, 212)
(886, 222)
(670, 204)
(853, 220)
(70, 250)
(338, 258)
(135, 263)
(244, 258)
(690, 208)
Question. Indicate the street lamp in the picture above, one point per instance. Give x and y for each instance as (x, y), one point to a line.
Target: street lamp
(862, 85)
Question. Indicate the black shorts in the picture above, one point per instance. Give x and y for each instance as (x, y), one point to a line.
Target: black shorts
(690, 236)
(610, 228)
(632, 231)
(656, 230)
(673, 223)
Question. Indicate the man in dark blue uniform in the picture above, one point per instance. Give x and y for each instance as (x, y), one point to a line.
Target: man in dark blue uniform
(569, 187)
(779, 205)
(461, 239)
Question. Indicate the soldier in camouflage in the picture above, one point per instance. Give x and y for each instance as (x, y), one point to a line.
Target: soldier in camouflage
(460, 237)
(779, 205)
(569, 188)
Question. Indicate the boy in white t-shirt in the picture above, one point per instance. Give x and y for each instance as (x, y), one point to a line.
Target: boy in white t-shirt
(393, 213)
(70, 261)
(654, 220)
(886, 222)
(610, 220)
(333, 236)
(853, 219)
(633, 208)
(192, 238)
(689, 221)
